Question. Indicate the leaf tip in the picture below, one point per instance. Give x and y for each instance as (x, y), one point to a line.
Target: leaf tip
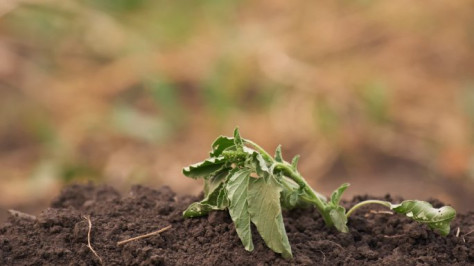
(237, 138)
(186, 170)
(236, 131)
(278, 155)
(295, 160)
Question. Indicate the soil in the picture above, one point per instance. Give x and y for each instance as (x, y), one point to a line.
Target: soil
(59, 235)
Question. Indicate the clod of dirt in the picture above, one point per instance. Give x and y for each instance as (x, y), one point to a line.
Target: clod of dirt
(59, 236)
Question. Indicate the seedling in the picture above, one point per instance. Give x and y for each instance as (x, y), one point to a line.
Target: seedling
(254, 186)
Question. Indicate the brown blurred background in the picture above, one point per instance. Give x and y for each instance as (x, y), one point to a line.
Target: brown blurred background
(376, 93)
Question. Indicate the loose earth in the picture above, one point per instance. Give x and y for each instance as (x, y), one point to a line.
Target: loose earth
(59, 235)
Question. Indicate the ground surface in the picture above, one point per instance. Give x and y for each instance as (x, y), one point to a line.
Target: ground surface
(58, 236)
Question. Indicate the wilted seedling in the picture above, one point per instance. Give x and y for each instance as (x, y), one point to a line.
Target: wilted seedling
(243, 178)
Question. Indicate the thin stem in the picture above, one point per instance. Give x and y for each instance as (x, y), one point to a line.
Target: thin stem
(312, 196)
(264, 153)
(366, 202)
(295, 176)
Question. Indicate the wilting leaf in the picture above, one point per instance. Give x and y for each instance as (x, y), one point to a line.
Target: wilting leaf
(215, 179)
(214, 201)
(339, 219)
(260, 165)
(423, 212)
(196, 209)
(220, 144)
(265, 213)
(205, 168)
(237, 191)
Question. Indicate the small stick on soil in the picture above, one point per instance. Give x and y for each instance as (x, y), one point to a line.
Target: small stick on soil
(458, 231)
(392, 236)
(22, 215)
(89, 239)
(464, 236)
(324, 256)
(143, 236)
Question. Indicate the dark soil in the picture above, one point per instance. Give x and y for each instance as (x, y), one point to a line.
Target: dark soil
(58, 236)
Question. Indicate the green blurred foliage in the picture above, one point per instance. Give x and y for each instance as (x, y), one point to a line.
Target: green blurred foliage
(375, 100)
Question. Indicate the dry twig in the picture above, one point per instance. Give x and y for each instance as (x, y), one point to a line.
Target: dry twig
(393, 236)
(464, 236)
(89, 239)
(143, 236)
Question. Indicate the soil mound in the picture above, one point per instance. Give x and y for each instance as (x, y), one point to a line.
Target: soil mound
(59, 235)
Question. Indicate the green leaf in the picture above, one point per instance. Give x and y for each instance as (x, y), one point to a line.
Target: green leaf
(237, 139)
(260, 165)
(423, 212)
(222, 200)
(197, 209)
(265, 213)
(339, 219)
(290, 196)
(278, 156)
(215, 179)
(295, 160)
(337, 213)
(220, 144)
(205, 168)
(336, 195)
(213, 197)
(237, 191)
(289, 199)
(216, 200)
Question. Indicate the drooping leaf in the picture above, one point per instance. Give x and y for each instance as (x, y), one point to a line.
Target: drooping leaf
(237, 194)
(336, 194)
(260, 165)
(214, 201)
(205, 168)
(278, 155)
(423, 212)
(212, 198)
(290, 196)
(289, 199)
(339, 219)
(220, 144)
(222, 200)
(197, 209)
(215, 179)
(265, 213)
(202, 208)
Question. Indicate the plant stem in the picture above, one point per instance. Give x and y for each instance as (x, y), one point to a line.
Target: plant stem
(264, 153)
(311, 195)
(366, 202)
(295, 176)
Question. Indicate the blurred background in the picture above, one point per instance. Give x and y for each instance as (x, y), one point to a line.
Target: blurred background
(376, 93)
